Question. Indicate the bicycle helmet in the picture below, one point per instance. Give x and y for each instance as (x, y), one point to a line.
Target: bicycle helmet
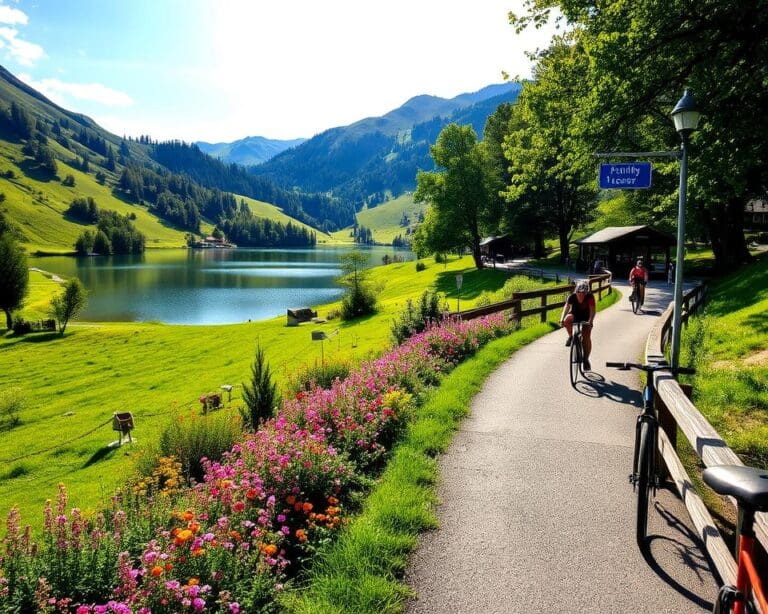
(582, 285)
(640, 262)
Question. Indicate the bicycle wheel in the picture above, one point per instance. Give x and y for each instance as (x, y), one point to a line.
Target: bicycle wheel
(576, 354)
(644, 478)
(635, 298)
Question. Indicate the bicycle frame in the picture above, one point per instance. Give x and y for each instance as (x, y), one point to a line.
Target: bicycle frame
(747, 578)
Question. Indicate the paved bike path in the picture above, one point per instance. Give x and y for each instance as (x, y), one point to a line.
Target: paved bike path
(536, 511)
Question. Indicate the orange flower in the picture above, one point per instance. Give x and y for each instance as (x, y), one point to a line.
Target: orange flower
(297, 506)
(194, 527)
(332, 500)
(197, 552)
(156, 571)
(193, 582)
(168, 566)
(270, 549)
(188, 515)
(290, 499)
(301, 535)
(235, 535)
(182, 536)
(307, 507)
(250, 493)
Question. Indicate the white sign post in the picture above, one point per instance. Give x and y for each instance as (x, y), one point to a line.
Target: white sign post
(459, 281)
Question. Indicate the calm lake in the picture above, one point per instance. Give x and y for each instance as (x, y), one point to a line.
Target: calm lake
(209, 286)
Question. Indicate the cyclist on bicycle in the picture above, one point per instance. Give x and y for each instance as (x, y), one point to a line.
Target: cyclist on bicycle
(580, 307)
(639, 273)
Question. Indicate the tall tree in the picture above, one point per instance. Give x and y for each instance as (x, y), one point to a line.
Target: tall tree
(14, 276)
(642, 54)
(552, 173)
(463, 195)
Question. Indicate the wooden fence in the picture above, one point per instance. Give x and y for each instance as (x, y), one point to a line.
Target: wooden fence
(677, 411)
(598, 284)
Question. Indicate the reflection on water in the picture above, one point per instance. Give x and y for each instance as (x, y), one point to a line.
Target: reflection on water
(206, 286)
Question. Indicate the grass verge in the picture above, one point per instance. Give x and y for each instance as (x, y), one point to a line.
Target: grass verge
(360, 571)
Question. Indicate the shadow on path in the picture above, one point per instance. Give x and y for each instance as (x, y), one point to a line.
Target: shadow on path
(597, 386)
(688, 551)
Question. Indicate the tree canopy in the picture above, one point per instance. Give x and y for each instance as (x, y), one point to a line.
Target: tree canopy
(641, 55)
(463, 194)
(14, 275)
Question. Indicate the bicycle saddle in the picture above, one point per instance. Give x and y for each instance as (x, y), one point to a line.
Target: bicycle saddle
(747, 484)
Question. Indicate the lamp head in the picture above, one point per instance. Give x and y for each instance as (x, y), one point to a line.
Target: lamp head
(686, 114)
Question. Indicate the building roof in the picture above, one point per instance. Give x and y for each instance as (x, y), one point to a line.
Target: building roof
(612, 233)
(757, 205)
(489, 240)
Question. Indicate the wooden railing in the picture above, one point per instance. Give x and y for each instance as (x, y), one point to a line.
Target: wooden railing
(598, 284)
(676, 410)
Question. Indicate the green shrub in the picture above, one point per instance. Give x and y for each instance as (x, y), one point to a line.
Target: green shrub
(414, 319)
(420, 266)
(11, 405)
(321, 376)
(194, 437)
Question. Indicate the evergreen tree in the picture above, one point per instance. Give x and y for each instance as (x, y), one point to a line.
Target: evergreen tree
(260, 396)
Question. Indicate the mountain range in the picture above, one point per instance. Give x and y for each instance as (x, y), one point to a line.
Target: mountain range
(320, 182)
(249, 151)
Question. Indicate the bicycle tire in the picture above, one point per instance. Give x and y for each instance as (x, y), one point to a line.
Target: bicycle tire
(635, 301)
(575, 359)
(644, 478)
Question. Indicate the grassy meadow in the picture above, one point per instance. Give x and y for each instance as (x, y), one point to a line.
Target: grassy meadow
(72, 385)
(728, 347)
(384, 219)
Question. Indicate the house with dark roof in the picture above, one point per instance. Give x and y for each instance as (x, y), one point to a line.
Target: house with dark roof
(756, 214)
(617, 248)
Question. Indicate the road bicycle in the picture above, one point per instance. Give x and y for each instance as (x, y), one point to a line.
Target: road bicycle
(577, 353)
(749, 486)
(644, 477)
(635, 298)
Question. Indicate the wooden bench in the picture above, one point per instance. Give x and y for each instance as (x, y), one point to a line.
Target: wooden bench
(297, 316)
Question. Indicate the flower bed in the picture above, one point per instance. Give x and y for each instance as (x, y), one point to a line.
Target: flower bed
(229, 543)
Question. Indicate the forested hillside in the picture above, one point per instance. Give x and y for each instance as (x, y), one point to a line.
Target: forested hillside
(69, 182)
(374, 159)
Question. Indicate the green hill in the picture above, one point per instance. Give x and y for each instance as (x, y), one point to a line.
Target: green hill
(387, 220)
(50, 156)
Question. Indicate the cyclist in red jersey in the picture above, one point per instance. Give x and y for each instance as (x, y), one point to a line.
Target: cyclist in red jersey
(640, 273)
(580, 307)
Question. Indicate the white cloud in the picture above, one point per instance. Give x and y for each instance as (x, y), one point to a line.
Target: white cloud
(60, 92)
(24, 52)
(12, 15)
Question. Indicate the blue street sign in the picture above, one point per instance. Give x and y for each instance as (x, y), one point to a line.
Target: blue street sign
(625, 176)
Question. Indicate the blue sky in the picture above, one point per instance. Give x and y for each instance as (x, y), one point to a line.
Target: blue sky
(220, 70)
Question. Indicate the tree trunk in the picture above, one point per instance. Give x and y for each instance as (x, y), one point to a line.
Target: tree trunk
(478, 257)
(726, 231)
(8, 319)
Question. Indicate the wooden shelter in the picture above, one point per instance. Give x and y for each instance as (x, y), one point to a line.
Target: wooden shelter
(497, 248)
(617, 248)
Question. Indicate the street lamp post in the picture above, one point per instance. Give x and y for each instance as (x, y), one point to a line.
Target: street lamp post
(686, 118)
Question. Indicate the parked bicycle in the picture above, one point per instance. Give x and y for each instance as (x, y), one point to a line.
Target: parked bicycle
(749, 486)
(644, 477)
(577, 353)
(635, 298)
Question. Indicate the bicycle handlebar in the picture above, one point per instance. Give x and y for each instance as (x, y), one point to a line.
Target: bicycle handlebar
(663, 366)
